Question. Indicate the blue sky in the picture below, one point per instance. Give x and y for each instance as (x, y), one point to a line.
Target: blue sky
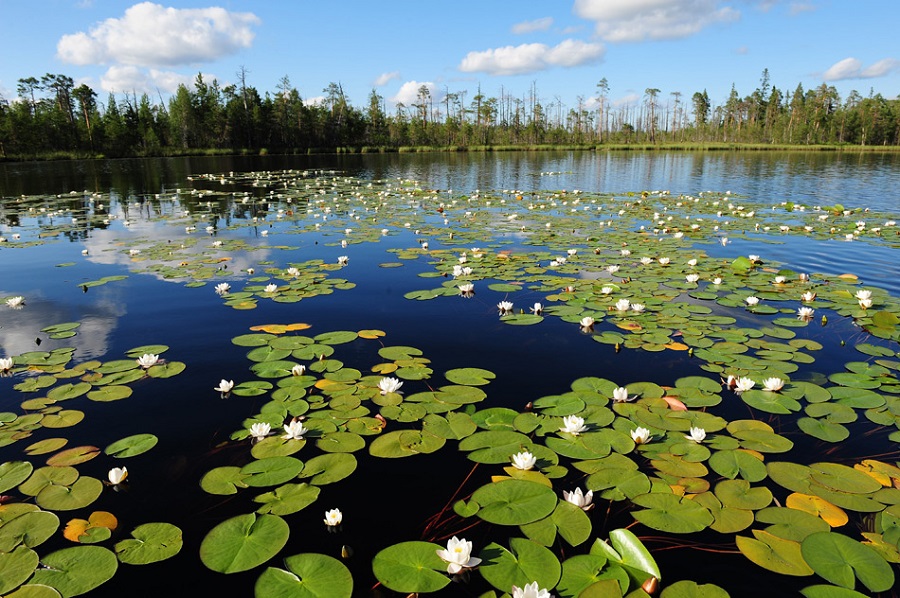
(561, 47)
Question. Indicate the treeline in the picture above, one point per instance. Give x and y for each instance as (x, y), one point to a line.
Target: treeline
(51, 116)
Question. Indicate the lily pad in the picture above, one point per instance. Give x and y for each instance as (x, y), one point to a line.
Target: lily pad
(150, 543)
(411, 567)
(524, 563)
(131, 445)
(308, 575)
(77, 570)
(842, 560)
(243, 542)
(514, 502)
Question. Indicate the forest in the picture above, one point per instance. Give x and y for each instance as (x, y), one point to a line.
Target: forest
(53, 118)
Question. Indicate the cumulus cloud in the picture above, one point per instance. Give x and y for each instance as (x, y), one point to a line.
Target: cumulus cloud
(131, 78)
(151, 35)
(851, 68)
(542, 24)
(633, 21)
(409, 92)
(315, 101)
(528, 58)
(385, 78)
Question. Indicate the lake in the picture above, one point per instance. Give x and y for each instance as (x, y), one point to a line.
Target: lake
(355, 268)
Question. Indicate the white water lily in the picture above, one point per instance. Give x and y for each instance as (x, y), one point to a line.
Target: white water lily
(612, 269)
(271, 287)
(697, 434)
(664, 261)
(808, 296)
(225, 386)
(780, 279)
(294, 430)
(573, 424)
(579, 499)
(717, 281)
(343, 260)
(6, 364)
(805, 313)
(638, 308)
(863, 294)
(466, 289)
(458, 555)
(260, 430)
(743, 384)
(333, 517)
(531, 590)
(147, 360)
(293, 271)
(751, 300)
(865, 303)
(389, 384)
(570, 251)
(640, 435)
(692, 277)
(537, 308)
(620, 394)
(623, 305)
(625, 252)
(250, 271)
(753, 258)
(298, 370)
(505, 307)
(587, 322)
(117, 475)
(524, 460)
(222, 288)
(773, 384)
(606, 290)
(16, 302)
(692, 262)
(646, 261)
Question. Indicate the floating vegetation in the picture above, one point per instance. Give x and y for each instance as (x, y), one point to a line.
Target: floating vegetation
(575, 493)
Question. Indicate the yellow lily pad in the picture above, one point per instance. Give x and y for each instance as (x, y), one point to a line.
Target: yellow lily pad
(814, 505)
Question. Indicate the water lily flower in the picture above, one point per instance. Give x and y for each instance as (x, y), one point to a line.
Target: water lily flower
(271, 287)
(458, 555)
(664, 261)
(620, 394)
(586, 323)
(638, 308)
(333, 517)
(623, 305)
(865, 303)
(640, 435)
(147, 360)
(134, 251)
(389, 384)
(6, 364)
(863, 294)
(579, 499)
(573, 424)
(424, 244)
(697, 434)
(505, 307)
(571, 251)
(612, 269)
(298, 370)
(751, 300)
(294, 430)
(537, 308)
(260, 430)
(293, 271)
(225, 386)
(531, 590)
(646, 261)
(606, 290)
(780, 279)
(466, 289)
(692, 277)
(805, 313)
(16, 302)
(773, 384)
(250, 271)
(625, 252)
(753, 258)
(343, 260)
(222, 288)
(808, 296)
(117, 475)
(743, 384)
(524, 460)
(717, 281)
(692, 262)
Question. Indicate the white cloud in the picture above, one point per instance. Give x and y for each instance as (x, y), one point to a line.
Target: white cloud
(541, 24)
(852, 68)
(385, 78)
(528, 58)
(409, 92)
(629, 100)
(122, 79)
(152, 35)
(314, 101)
(639, 20)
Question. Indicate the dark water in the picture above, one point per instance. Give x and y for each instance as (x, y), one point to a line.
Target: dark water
(382, 502)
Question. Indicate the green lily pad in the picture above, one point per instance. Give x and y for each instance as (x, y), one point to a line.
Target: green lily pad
(150, 543)
(774, 553)
(308, 575)
(28, 529)
(691, 589)
(68, 391)
(81, 493)
(243, 542)
(514, 502)
(16, 566)
(77, 570)
(131, 446)
(13, 473)
(627, 551)
(671, 513)
(73, 456)
(223, 480)
(287, 499)
(470, 376)
(270, 471)
(842, 560)
(411, 567)
(828, 591)
(106, 394)
(525, 562)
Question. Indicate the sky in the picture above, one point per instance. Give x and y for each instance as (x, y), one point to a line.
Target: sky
(560, 48)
